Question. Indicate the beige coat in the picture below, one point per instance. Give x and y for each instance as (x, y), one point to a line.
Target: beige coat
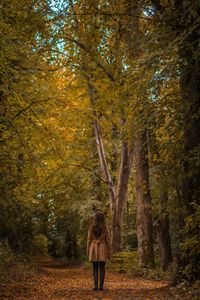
(98, 249)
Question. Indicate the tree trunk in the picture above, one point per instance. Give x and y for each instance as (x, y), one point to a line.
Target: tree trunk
(132, 34)
(97, 191)
(190, 91)
(104, 165)
(162, 232)
(117, 199)
(188, 27)
(121, 196)
(162, 225)
(164, 241)
(190, 87)
(143, 197)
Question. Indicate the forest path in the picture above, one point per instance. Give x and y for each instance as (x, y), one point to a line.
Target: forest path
(76, 283)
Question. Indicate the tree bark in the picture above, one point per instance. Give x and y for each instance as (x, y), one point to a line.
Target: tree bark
(143, 197)
(162, 231)
(121, 196)
(190, 92)
(164, 241)
(190, 88)
(162, 225)
(103, 164)
(132, 36)
(186, 26)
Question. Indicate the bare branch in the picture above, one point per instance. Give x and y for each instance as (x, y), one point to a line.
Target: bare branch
(99, 64)
(88, 169)
(27, 107)
(108, 14)
(78, 166)
(40, 69)
(86, 49)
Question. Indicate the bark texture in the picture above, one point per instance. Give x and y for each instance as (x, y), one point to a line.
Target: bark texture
(164, 241)
(186, 26)
(162, 225)
(189, 25)
(143, 197)
(121, 196)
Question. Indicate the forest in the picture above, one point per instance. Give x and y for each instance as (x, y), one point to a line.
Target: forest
(100, 110)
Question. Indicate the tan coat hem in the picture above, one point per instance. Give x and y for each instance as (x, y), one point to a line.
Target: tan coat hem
(98, 249)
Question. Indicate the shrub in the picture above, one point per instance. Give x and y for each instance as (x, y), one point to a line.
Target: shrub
(7, 257)
(128, 261)
(58, 246)
(124, 261)
(40, 244)
(191, 246)
(13, 266)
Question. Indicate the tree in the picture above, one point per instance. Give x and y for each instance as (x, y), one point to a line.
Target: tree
(182, 28)
(89, 58)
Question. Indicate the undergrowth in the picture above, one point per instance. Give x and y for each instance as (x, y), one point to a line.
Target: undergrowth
(14, 267)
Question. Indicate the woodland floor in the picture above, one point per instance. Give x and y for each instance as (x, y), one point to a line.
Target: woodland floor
(75, 282)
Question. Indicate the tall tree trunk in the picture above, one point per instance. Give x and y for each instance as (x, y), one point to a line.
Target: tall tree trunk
(190, 88)
(190, 91)
(104, 165)
(132, 35)
(121, 196)
(97, 190)
(185, 24)
(117, 199)
(162, 224)
(188, 27)
(143, 197)
(163, 234)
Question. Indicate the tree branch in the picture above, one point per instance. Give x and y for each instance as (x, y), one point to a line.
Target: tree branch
(78, 166)
(100, 145)
(86, 49)
(108, 14)
(27, 107)
(157, 4)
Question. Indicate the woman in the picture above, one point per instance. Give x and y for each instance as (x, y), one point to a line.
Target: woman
(98, 247)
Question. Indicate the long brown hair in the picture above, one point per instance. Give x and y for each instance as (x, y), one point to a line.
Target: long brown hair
(98, 224)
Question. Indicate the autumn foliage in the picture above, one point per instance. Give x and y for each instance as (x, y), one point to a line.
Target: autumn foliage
(99, 109)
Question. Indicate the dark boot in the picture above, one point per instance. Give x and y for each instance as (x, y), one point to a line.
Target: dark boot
(102, 274)
(95, 275)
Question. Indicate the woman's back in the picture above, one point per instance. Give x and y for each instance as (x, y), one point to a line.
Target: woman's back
(98, 246)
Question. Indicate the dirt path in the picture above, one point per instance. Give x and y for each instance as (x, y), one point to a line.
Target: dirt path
(76, 283)
(58, 281)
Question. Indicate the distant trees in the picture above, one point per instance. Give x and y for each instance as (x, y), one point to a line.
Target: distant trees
(19, 91)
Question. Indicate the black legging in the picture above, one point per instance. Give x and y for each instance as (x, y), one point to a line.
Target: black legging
(101, 266)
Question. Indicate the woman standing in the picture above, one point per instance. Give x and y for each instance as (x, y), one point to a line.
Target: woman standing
(98, 247)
